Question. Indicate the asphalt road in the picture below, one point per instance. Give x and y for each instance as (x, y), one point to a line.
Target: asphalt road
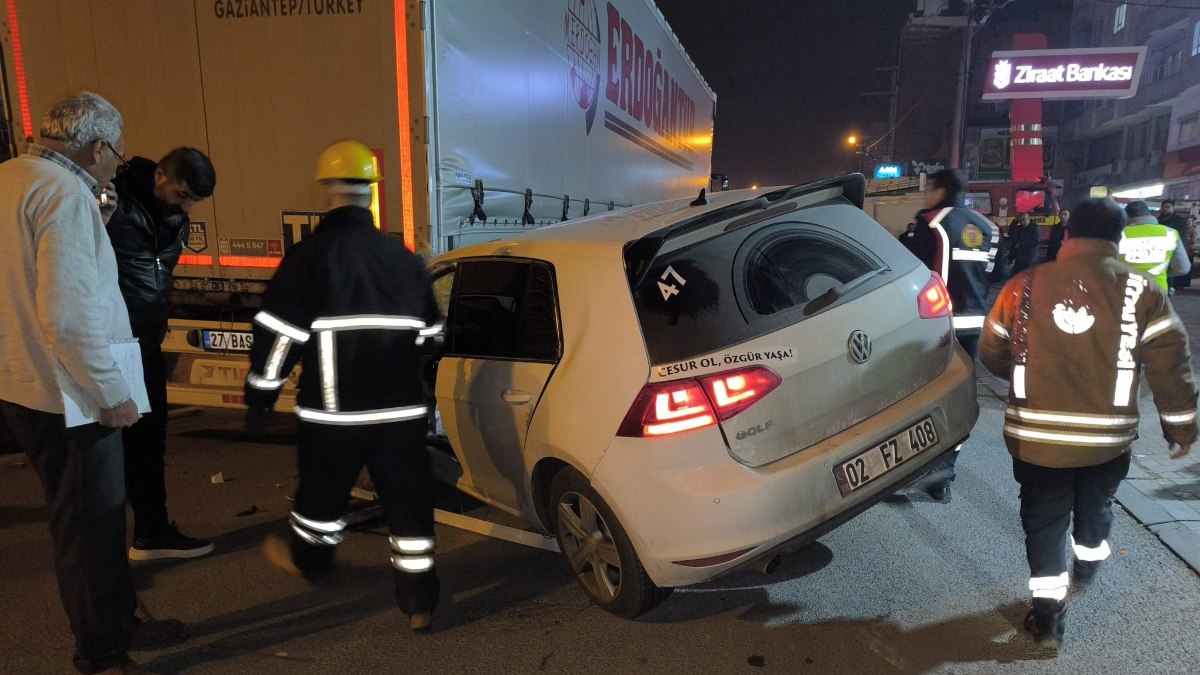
(910, 586)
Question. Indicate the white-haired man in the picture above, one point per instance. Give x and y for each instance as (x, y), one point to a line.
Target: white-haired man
(60, 308)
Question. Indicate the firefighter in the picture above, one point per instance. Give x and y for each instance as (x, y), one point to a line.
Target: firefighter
(1072, 336)
(960, 245)
(1152, 248)
(352, 307)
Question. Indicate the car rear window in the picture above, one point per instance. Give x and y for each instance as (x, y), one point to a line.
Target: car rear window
(747, 282)
(797, 266)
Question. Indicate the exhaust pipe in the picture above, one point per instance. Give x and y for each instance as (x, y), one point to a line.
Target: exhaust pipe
(769, 565)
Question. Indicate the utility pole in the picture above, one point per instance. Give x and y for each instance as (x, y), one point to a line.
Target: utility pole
(960, 93)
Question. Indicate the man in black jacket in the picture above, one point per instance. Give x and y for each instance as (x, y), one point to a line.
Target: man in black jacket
(1177, 222)
(147, 230)
(353, 307)
(960, 245)
(1024, 236)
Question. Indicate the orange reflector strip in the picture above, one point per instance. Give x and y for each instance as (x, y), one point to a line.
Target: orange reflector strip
(248, 261)
(19, 67)
(402, 114)
(189, 259)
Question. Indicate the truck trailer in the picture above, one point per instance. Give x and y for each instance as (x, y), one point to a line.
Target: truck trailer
(486, 118)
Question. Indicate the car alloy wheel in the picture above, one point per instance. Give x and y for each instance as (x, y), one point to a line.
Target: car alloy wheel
(597, 548)
(589, 547)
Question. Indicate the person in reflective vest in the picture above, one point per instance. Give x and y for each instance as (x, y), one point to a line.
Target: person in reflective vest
(960, 245)
(1152, 248)
(1072, 336)
(354, 308)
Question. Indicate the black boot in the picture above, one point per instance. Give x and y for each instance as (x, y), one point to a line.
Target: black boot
(1047, 621)
(1085, 571)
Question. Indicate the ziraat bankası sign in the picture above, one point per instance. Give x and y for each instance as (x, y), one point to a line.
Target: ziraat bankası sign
(1064, 73)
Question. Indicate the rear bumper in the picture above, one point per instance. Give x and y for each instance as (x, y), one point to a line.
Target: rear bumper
(683, 498)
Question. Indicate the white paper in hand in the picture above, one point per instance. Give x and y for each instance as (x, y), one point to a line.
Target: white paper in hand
(79, 407)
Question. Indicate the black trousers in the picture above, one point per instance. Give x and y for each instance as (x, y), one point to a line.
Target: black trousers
(1049, 498)
(81, 473)
(330, 459)
(145, 445)
(943, 470)
(1024, 259)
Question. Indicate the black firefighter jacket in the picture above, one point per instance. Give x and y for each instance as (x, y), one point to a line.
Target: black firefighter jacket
(147, 241)
(353, 307)
(1072, 336)
(960, 245)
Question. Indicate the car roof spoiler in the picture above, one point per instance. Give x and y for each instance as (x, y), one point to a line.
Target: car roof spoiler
(640, 253)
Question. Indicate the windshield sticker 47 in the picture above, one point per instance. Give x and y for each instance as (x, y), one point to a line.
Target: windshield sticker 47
(727, 359)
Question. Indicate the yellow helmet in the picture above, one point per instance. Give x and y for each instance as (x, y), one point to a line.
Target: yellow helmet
(347, 160)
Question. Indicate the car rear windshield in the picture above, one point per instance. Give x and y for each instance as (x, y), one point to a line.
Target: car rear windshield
(745, 282)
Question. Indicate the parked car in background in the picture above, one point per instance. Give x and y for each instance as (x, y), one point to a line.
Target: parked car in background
(688, 388)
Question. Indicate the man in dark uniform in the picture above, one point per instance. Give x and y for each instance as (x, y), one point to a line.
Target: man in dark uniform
(353, 307)
(147, 230)
(960, 245)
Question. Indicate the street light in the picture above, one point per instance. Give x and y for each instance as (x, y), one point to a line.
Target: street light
(852, 139)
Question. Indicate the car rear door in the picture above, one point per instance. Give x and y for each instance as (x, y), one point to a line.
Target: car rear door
(819, 294)
(846, 355)
(502, 342)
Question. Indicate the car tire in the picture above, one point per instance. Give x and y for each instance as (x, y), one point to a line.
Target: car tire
(597, 550)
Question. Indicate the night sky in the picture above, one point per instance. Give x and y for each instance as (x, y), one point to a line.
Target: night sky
(788, 74)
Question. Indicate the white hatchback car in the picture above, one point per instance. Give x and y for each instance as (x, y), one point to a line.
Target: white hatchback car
(679, 390)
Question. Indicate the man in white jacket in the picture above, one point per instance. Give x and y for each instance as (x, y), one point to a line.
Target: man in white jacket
(59, 309)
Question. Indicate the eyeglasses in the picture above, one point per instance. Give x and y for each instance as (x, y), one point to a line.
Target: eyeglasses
(124, 165)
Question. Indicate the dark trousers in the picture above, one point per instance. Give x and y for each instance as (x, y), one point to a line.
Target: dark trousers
(330, 459)
(943, 470)
(1049, 497)
(81, 473)
(145, 445)
(1024, 259)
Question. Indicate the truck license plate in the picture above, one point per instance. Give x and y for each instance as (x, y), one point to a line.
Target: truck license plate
(227, 341)
(870, 465)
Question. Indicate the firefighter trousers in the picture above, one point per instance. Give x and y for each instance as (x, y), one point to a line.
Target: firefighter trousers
(1049, 499)
(330, 460)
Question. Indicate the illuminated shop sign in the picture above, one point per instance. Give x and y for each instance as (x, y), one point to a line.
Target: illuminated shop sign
(883, 171)
(1064, 73)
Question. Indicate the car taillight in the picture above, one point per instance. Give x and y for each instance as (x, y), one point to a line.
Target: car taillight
(667, 408)
(934, 301)
(664, 408)
(733, 391)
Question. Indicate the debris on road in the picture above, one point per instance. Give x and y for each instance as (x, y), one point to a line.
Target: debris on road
(248, 512)
(218, 477)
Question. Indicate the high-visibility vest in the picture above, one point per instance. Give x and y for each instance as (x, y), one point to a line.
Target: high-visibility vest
(1149, 248)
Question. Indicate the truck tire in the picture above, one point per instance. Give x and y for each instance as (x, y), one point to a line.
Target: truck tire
(597, 550)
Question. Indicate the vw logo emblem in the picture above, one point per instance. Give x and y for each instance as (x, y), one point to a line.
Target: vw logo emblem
(860, 346)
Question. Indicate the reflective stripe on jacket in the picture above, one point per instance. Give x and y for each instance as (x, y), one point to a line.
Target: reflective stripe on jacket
(961, 246)
(1072, 346)
(353, 307)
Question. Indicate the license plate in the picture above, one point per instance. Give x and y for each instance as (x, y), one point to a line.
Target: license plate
(870, 465)
(227, 341)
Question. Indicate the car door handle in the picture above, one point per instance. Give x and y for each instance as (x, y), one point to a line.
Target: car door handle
(515, 396)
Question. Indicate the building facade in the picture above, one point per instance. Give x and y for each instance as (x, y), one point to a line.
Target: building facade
(1146, 146)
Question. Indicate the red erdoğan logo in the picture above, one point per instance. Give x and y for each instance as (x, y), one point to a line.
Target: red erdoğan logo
(582, 28)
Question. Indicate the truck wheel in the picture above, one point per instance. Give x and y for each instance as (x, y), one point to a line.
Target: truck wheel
(597, 549)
